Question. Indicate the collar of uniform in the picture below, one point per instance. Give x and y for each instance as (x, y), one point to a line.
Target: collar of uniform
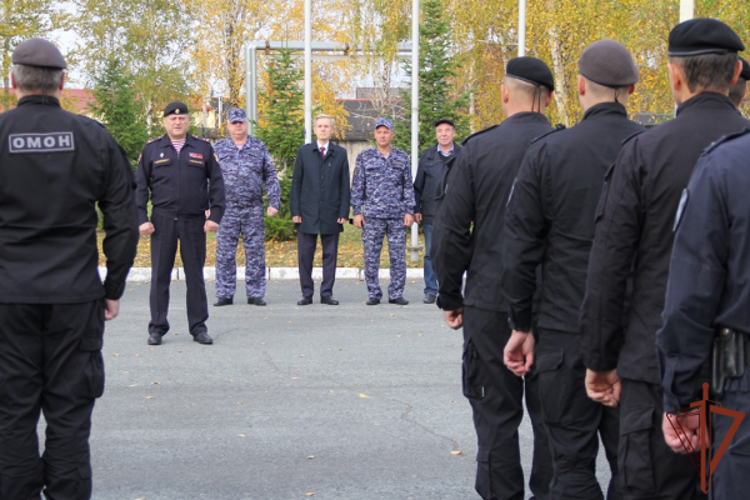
(39, 99)
(167, 142)
(527, 116)
(605, 108)
(706, 100)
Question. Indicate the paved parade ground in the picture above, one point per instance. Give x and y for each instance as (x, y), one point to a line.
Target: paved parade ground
(336, 403)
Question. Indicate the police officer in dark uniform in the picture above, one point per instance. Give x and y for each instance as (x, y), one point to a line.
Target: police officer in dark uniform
(634, 238)
(56, 166)
(550, 222)
(182, 175)
(477, 191)
(707, 302)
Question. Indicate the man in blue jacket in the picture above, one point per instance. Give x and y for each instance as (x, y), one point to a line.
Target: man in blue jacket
(434, 165)
(320, 206)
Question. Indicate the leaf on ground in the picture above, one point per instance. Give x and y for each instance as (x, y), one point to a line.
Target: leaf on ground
(309, 494)
(117, 355)
(154, 383)
(149, 397)
(241, 435)
(457, 452)
(311, 457)
(364, 396)
(295, 378)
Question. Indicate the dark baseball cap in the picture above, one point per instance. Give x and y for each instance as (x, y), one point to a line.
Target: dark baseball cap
(703, 36)
(445, 120)
(176, 108)
(384, 122)
(530, 70)
(38, 52)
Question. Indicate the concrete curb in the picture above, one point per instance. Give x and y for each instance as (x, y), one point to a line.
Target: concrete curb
(143, 274)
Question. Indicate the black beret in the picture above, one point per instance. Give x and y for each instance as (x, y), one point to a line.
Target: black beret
(445, 120)
(703, 36)
(531, 70)
(608, 63)
(38, 52)
(745, 73)
(176, 108)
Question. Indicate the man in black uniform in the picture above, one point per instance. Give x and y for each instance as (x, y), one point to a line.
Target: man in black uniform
(477, 191)
(56, 166)
(550, 222)
(183, 176)
(634, 238)
(707, 291)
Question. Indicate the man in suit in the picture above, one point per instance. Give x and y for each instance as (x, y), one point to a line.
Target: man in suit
(320, 206)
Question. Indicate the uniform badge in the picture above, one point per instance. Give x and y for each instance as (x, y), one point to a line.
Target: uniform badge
(177, 111)
(216, 157)
(139, 157)
(681, 209)
(161, 155)
(197, 156)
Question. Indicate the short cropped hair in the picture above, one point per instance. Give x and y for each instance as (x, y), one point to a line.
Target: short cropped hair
(324, 116)
(708, 72)
(36, 79)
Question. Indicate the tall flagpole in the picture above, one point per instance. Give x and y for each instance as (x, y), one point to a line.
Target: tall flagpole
(521, 28)
(414, 113)
(308, 71)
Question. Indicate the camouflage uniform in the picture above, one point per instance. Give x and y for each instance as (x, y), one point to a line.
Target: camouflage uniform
(245, 170)
(384, 187)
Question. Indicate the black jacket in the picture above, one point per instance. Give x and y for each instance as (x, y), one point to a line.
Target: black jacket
(54, 168)
(634, 230)
(431, 173)
(550, 216)
(320, 189)
(477, 191)
(183, 185)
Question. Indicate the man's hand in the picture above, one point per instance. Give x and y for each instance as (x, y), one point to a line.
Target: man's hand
(273, 212)
(690, 425)
(297, 219)
(418, 218)
(454, 318)
(408, 220)
(208, 213)
(519, 352)
(341, 220)
(210, 226)
(111, 309)
(146, 228)
(603, 387)
(359, 221)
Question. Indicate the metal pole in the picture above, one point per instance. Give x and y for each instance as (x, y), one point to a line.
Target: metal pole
(414, 114)
(308, 71)
(521, 28)
(251, 84)
(687, 10)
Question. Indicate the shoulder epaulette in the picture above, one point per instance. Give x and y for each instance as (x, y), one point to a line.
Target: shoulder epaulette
(199, 138)
(628, 138)
(557, 128)
(723, 139)
(153, 140)
(478, 133)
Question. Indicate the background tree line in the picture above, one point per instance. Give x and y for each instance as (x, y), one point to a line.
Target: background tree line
(138, 55)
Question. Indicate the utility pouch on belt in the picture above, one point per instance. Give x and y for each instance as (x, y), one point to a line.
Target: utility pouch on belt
(728, 359)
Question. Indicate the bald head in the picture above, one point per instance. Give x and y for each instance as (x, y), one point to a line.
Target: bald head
(520, 96)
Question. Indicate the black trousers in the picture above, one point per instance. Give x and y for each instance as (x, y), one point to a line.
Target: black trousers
(731, 478)
(496, 397)
(574, 421)
(51, 362)
(193, 252)
(649, 469)
(306, 244)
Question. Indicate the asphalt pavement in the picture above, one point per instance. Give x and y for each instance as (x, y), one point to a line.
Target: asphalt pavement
(348, 402)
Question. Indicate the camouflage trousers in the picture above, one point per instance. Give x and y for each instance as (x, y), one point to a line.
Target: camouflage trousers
(248, 223)
(372, 239)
